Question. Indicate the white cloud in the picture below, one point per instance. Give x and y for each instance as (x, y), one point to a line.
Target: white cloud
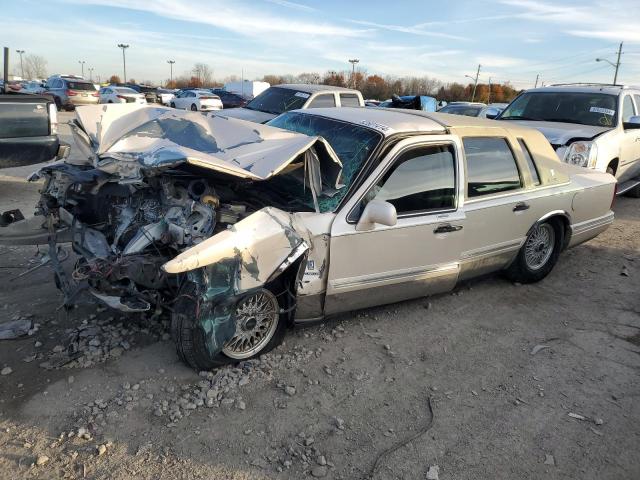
(294, 5)
(415, 30)
(497, 61)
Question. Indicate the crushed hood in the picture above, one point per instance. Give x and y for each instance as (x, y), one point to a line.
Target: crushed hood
(246, 114)
(127, 139)
(559, 133)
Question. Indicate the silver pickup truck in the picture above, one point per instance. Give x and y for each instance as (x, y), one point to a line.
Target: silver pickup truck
(28, 130)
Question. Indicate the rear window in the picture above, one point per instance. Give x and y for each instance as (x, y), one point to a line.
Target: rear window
(491, 166)
(81, 86)
(276, 100)
(324, 100)
(349, 100)
(126, 90)
(23, 120)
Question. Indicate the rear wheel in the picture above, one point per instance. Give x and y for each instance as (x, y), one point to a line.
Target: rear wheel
(260, 327)
(539, 253)
(173, 105)
(194, 108)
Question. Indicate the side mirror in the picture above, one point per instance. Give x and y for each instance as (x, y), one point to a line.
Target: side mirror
(377, 211)
(633, 123)
(492, 113)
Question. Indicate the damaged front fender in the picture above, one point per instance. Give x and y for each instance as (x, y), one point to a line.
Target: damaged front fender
(258, 245)
(223, 268)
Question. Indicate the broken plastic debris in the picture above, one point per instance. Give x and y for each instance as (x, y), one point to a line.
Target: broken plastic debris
(15, 329)
(577, 416)
(537, 348)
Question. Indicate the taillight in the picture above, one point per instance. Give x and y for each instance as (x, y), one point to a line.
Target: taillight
(95, 94)
(122, 97)
(206, 98)
(71, 93)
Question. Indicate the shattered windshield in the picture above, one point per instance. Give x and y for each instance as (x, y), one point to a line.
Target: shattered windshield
(352, 143)
(583, 108)
(277, 100)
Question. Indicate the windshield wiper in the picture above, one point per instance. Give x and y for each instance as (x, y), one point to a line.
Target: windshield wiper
(520, 117)
(565, 120)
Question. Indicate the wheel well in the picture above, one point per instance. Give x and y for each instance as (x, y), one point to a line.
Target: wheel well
(286, 285)
(564, 223)
(614, 165)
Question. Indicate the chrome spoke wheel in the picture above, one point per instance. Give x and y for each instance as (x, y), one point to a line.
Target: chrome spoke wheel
(257, 317)
(539, 246)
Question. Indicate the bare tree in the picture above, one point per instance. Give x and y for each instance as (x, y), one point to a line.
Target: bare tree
(311, 78)
(203, 73)
(35, 67)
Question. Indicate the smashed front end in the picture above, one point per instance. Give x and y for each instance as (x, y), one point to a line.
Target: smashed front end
(172, 204)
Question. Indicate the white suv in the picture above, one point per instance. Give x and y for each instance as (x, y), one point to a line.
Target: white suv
(590, 125)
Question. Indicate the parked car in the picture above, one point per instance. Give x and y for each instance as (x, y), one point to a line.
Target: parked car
(202, 100)
(33, 88)
(69, 91)
(229, 100)
(165, 95)
(121, 95)
(469, 109)
(411, 102)
(244, 229)
(282, 98)
(590, 125)
(28, 131)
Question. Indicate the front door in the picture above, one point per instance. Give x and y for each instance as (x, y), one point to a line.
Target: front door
(629, 166)
(421, 178)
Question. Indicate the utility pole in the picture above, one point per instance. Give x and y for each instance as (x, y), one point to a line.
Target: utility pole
(537, 78)
(82, 62)
(124, 46)
(614, 65)
(489, 96)
(475, 84)
(615, 76)
(171, 62)
(20, 52)
(353, 63)
(90, 73)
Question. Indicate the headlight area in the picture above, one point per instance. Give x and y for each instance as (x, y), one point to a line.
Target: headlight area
(582, 154)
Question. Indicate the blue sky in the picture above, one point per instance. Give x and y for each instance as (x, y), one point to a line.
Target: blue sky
(513, 39)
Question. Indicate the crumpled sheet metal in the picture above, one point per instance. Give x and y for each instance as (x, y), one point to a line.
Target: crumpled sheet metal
(158, 136)
(258, 245)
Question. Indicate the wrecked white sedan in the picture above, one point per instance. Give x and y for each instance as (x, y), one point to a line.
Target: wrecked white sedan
(241, 230)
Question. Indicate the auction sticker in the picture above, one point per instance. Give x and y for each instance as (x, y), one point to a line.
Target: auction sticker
(606, 111)
(302, 94)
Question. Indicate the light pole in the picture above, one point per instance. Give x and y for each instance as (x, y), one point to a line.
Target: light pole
(90, 73)
(353, 63)
(124, 46)
(475, 82)
(171, 62)
(82, 62)
(20, 52)
(614, 65)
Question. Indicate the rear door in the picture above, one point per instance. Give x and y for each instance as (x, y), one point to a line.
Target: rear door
(629, 166)
(26, 135)
(419, 255)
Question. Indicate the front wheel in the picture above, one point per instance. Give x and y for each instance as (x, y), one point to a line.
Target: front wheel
(173, 105)
(194, 108)
(539, 253)
(259, 327)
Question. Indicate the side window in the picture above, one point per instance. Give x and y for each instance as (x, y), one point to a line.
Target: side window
(491, 166)
(349, 100)
(530, 163)
(321, 101)
(420, 180)
(627, 108)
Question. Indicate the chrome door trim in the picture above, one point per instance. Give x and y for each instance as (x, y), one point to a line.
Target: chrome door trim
(395, 276)
(495, 249)
(594, 223)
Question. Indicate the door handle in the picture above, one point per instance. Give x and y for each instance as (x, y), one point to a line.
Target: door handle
(521, 207)
(447, 228)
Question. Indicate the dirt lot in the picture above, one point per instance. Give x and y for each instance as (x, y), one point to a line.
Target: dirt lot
(504, 366)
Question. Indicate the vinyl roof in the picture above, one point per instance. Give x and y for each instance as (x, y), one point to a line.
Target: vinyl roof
(392, 120)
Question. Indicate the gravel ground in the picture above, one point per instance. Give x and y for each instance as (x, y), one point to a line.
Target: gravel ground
(524, 382)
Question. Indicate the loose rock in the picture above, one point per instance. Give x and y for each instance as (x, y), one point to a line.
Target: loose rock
(41, 460)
